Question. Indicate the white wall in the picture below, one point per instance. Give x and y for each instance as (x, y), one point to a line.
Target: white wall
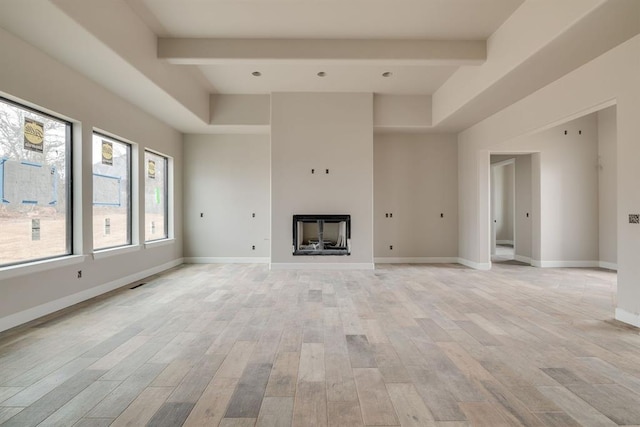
(415, 178)
(614, 77)
(607, 168)
(322, 131)
(31, 76)
(568, 191)
(503, 208)
(524, 199)
(401, 111)
(227, 181)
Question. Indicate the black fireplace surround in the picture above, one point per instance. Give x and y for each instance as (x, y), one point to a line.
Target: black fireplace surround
(321, 234)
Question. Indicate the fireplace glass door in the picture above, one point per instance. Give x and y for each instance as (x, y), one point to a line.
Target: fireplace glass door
(321, 234)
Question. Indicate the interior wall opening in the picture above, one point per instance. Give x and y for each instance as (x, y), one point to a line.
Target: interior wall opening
(563, 195)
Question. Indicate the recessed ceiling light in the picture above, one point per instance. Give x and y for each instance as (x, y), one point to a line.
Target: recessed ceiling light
(322, 74)
(256, 74)
(387, 74)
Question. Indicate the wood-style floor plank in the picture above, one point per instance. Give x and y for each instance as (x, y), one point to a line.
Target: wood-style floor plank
(55, 399)
(275, 412)
(126, 392)
(484, 414)
(247, 398)
(240, 345)
(410, 408)
(143, 407)
(577, 408)
(376, 405)
(311, 368)
(31, 394)
(614, 401)
(284, 374)
(237, 422)
(77, 407)
(8, 412)
(171, 414)
(212, 405)
(344, 414)
(310, 407)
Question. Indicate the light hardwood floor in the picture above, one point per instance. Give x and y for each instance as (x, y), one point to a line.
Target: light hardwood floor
(238, 345)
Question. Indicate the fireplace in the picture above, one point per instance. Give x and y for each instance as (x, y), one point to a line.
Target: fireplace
(321, 234)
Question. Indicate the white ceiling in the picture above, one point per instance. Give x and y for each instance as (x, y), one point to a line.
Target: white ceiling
(359, 19)
(474, 57)
(438, 20)
(421, 80)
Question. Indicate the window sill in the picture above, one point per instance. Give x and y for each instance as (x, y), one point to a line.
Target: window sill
(105, 253)
(39, 266)
(157, 243)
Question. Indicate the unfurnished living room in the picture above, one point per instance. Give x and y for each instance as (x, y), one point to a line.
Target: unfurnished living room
(320, 213)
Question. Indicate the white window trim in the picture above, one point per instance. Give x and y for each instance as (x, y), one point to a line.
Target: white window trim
(133, 196)
(161, 242)
(119, 250)
(29, 266)
(170, 239)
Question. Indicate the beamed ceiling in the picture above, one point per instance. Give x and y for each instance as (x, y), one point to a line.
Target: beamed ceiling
(466, 58)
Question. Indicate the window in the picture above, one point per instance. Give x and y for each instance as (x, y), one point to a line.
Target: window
(156, 218)
(35, 178)
(111, 192)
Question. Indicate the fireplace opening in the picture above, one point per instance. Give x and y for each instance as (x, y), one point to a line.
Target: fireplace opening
(321, 234)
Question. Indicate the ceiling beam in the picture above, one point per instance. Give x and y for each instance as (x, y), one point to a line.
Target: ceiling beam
(419, 52)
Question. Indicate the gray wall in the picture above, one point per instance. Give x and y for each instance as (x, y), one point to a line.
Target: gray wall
(322, 131)
(34, 77)
(227, 181)
(504, 202)
(569, 209)
(415, 178)
(524, 200)
(607, 184)
(612, 78)
(569, 190)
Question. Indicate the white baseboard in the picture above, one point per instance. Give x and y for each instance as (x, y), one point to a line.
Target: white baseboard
(321, 266)
(33, 313)
(608, 265)
(416, 260)
(475, 265)
(525, 259)
(565, 264)
(626, 317)
(227, 260)
(504, 242)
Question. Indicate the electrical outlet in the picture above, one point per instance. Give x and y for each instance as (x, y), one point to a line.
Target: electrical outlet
(390, 247)
(79, 274)
(201, 214)
(634, 218)
(253, 247)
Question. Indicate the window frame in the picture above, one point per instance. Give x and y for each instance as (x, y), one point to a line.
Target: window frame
(130, 219)
(68, 185)
(167, 196)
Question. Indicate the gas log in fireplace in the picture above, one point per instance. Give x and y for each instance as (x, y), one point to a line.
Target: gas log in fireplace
(321, 234)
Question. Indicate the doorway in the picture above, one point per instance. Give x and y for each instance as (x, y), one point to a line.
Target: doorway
(503, 208)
